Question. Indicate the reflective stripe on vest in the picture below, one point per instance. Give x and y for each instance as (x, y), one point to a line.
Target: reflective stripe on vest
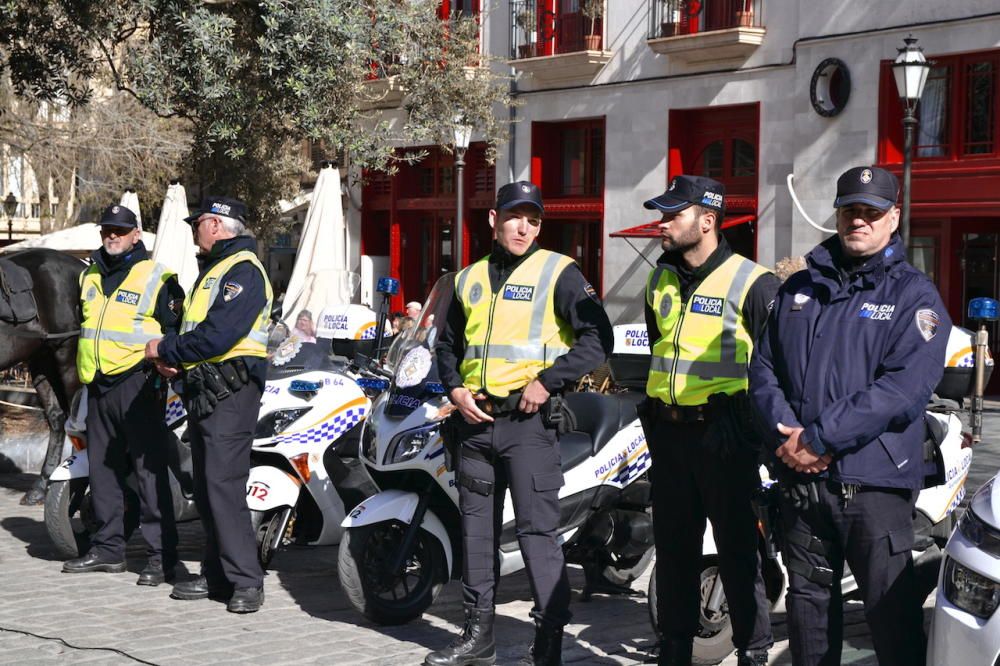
(116, 328)
(703, 347)
(206, 290)
(511, 336)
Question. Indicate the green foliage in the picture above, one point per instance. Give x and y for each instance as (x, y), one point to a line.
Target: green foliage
(257, 79)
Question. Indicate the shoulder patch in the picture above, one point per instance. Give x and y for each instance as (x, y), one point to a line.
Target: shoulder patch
(589, 290)
(231, 291)
(927, 322)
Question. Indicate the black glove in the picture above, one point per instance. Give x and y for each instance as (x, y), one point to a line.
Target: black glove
(802, 496)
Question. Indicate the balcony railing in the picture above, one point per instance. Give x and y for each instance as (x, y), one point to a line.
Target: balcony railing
(538, 32)
(671, 18)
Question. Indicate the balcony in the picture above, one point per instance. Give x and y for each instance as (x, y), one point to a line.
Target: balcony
(556, 47)
(696, 31)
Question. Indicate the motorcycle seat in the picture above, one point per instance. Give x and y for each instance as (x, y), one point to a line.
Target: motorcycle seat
(574, 448)
(601, 416)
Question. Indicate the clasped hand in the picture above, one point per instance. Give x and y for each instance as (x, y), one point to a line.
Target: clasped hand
(796, 454)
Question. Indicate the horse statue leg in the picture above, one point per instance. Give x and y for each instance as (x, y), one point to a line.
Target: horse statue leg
(55, 415)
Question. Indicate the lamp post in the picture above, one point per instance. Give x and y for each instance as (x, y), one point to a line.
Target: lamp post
(910, 70)
(9, 208)
(463, 133)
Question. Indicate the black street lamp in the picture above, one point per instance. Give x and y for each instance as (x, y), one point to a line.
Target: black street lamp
(9, 208)
(910, 70)
(463, 134)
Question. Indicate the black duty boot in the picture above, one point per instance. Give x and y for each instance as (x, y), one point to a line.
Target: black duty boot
(475, 647)
(93, 562)
(155, 573)
(546, 649)
(675, 652)
(751, 658)
(200, 588)
(246, 600)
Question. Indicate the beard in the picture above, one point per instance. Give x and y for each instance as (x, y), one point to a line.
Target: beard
(682, 242)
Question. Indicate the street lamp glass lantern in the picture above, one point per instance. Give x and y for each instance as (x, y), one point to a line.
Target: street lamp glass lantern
(910, 70)
(9, 205)
(463, 134)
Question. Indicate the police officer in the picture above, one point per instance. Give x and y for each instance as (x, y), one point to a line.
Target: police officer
(524, 325)
(705, 306)
(222, 348)
(127, 299)
(854, 348)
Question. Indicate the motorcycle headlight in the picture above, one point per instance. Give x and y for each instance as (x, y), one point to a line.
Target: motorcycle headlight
(972, 592)
(276, 422)
(409, 444)
(983, 535)
(369, 441)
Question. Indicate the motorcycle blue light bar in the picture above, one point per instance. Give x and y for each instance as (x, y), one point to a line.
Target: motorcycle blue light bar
(434, 387)
(304, 386)
(387, 285)
(984, 309)
(372, 383)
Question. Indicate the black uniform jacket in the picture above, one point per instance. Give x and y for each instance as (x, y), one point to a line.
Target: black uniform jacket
(230, 317)
(576, 303)
(169, 302)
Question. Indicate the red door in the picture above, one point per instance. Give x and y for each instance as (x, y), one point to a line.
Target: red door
(425, 253)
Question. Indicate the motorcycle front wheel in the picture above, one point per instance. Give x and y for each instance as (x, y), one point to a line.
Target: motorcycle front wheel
(381, 595)
(69, 517)
(269, 528)
(714, 641)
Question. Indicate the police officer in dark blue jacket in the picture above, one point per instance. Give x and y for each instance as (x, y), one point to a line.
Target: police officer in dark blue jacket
(853, 349)
(222, 347)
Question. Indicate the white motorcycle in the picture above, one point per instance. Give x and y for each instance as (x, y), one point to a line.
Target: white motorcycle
(933, 518)
(304, 454)
(401, 545)
(69, 518)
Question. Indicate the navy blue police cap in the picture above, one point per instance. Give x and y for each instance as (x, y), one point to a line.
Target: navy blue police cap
(871, 186)
(225, 206)
(117, 215)
(685, 191)
(519, 193)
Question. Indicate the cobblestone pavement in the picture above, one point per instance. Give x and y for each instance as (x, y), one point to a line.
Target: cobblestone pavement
(47, 617)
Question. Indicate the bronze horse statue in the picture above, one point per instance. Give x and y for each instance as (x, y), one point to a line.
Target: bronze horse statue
(40, 326)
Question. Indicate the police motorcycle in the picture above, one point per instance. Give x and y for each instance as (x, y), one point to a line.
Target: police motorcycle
(964, 627)
(304, 453)
(403, 544)
(68, 515)
(933, 517)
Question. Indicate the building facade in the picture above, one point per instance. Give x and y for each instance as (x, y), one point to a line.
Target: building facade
(747, 91)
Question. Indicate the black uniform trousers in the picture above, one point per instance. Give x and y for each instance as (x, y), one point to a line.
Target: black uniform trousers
(874, 533)
(692, 482)
(125, 424)
(220, 453)
(519, 452)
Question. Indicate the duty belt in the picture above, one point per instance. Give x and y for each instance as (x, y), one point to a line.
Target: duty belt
(680, 413)
(495, 406)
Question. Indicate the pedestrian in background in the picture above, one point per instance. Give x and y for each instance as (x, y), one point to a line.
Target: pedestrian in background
(126, 300)
(705, 307)
(222, 348)
(524, 324)
(841, 378)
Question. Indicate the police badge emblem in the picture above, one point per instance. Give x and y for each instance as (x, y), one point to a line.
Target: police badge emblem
(92, 293)
(665, 304)
(927, 322)
(475, 293)
(866, 176)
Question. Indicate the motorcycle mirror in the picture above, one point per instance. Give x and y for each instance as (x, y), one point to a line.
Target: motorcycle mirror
(276, 313)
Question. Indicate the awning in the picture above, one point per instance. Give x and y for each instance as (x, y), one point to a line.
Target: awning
(649, 229)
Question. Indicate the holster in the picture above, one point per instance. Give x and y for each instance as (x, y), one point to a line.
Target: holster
(452, 439)
(200, 399)
(557, 414)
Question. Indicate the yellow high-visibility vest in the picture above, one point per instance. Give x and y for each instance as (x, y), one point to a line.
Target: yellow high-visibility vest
(116, 328)
(203, 295)
(703, 347)
(515, 334)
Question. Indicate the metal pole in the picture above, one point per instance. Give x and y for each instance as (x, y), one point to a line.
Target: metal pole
(460, 208)
(909, 129)
(10, 228)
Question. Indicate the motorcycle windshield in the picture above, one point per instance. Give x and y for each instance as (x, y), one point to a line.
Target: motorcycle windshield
(411, 356)
(295, 347)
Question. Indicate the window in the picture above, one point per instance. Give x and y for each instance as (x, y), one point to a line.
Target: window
(957, 113)
(36, 210)
(569, 158)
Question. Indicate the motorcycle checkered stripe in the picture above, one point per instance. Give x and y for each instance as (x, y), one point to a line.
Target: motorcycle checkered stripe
(368, 333)
(634, 469)
(328, 431)
(175, 410)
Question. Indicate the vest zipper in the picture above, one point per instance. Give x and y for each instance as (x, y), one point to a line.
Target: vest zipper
(100, 327)
(673, 366)
(486, 342)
